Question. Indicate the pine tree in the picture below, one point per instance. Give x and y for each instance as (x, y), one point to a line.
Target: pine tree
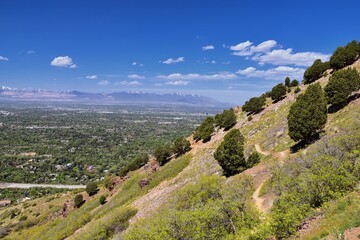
(308, 114)
(341, 84)
(230, 153)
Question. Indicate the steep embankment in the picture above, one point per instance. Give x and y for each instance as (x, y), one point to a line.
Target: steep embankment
(266, 134)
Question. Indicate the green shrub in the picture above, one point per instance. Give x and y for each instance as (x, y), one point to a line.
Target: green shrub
(297, 90)
(205, 130)
(102, 200)
(344, 56)
(253, 159)
(278, 92)
(78, 200)
(254, 105)
(315, 71)
(287, 82)
(162, 154)
(91, 188)
(340, 86)
(230, 153)
(308, 114)
(208, 209)
(294, 83)
(181, 145)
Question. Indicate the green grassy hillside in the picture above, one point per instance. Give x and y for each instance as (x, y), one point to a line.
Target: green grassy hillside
(288, 194)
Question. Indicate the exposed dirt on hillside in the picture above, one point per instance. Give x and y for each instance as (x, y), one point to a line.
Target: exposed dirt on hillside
(203, 163)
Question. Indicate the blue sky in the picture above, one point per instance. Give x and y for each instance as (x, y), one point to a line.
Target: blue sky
(228, 50)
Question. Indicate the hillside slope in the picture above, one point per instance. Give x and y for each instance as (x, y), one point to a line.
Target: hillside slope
(130, 209)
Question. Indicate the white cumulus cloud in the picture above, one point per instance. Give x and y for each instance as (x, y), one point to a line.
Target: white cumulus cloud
(92, 77)
(278, 73)
(287, 57)
(247, 48)
(126, 83)
(172, 61)
(63, 61)
(196, 76)
(208, 47)
(103, 82)
(135, 76)
(178, 83)
(30, 51)
(268, 52)
(240, 46)
(3, 58)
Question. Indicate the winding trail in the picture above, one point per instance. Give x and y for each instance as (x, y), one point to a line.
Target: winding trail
(262, 203)
(258, 149)
(258, 200)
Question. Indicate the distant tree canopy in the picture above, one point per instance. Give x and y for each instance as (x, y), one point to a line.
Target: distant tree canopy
(163, 153)
(308, 114)
(226, 120)
(294, 83)
(205, 130)
(278, 92)
(181, 145)
(315, 71)
(230, 153)
(287, 82)
(91, 188)
(254, 105)
(345, 56)
(340, 86)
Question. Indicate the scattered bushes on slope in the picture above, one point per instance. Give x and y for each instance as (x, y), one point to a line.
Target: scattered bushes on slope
(205, 130)
(209, 209)
(162, 154)
(226, 120)
(181, 145)
(254, 105)
(340, 86)
(329, 170)
(308, 114)
(278, 92)
(138, 162)
(315, 71)
(345, 56)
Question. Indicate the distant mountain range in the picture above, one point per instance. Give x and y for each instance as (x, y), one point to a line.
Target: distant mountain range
(134, 97)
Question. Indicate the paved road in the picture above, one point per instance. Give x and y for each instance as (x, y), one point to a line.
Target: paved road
(30, 185)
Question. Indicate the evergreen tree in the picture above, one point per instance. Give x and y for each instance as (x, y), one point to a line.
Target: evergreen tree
(278, 92)
(226, 120)
(78, 200)
(181, 146)
(91, 188)
(340, 86)
(308, 114)
(287, 82)
(254, 105)
(294, 83)
(162, 154)
(344, 56)
(205, 130)
(230, 153)
(315, 71)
